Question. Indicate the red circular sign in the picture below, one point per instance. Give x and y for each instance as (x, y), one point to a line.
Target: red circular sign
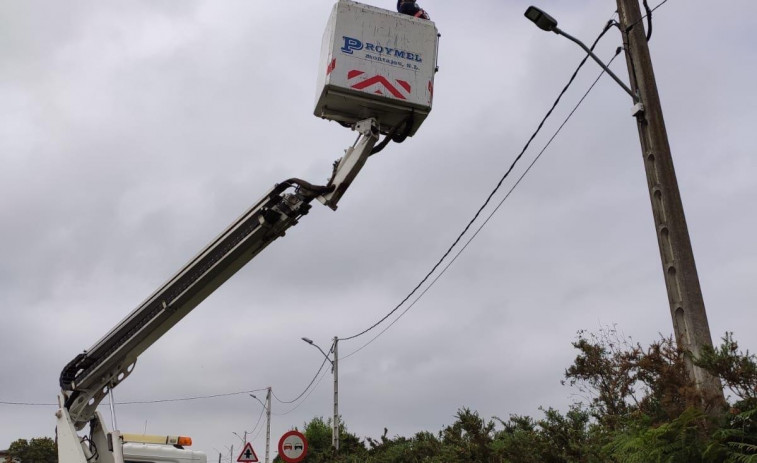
(293, 447)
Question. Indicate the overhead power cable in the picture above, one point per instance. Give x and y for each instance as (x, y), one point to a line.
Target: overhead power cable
(254, 428)
(488, 199)
(312, 389)
(478, 230)
(260, 431)
(648, 14)
(649, 19)
(28, 404)
(325, 359)
(213, 396)
(134, 402)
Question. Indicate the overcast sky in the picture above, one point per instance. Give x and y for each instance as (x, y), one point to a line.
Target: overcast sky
(132, 132)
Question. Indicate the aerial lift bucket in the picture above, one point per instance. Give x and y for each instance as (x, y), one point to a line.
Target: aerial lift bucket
(378, 64)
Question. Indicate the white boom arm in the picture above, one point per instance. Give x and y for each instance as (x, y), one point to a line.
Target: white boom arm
(354, 158)
(87, 379)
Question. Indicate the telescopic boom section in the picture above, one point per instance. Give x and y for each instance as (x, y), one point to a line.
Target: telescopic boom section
(86, 380)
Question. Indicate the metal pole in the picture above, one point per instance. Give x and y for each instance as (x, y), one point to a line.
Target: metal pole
(335, 368)
(231, 454)
(681, 280)
(268, 425)
(599, 61)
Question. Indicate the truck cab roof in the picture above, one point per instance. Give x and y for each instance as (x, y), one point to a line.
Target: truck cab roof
(139, 452)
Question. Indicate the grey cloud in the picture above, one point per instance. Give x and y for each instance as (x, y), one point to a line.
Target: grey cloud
(131, 134)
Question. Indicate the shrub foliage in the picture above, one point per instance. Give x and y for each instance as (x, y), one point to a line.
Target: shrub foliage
(637, 404)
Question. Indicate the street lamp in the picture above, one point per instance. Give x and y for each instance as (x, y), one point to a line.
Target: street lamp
(541, 19)
(310, 341)
(267, 407)
(243, 439)
(335, 371)
(547, 23)
(259, 401)
(221, 453)
(231, 453)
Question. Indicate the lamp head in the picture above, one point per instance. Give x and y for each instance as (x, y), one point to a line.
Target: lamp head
(307, 340)
(544, 21)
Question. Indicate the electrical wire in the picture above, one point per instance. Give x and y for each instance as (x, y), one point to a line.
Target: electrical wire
(28, 404)
(304, 398)
(649, 13)
(257, 423)
(649, 19)
(326, 359)
(258, 434)
(135, 402)
(488, 199)
(183, 399)
(478, 230)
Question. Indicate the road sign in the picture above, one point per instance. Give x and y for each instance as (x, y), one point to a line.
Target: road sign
(248, 454)
(293, 447)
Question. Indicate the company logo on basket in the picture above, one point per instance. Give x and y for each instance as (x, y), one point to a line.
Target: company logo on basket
(352, 44)
(378, 84)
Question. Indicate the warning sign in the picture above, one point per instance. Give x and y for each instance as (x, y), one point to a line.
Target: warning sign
(248, 454)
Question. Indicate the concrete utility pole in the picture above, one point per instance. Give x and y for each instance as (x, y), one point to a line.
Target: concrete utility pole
(335, 370)
(684, 293)
(267, 408)
(268, 426)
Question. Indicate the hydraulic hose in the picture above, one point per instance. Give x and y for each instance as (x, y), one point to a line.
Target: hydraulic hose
(407, 125)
